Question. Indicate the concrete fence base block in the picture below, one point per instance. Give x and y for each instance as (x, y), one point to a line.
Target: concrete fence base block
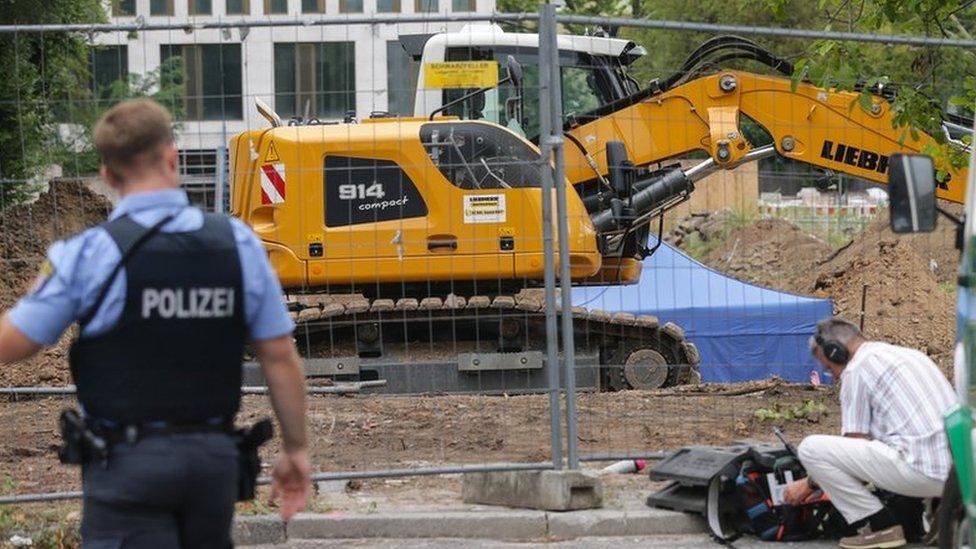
(257, 530)
(546, 490)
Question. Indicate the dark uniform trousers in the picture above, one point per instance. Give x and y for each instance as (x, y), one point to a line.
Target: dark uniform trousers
(164, 491)
(173, 361)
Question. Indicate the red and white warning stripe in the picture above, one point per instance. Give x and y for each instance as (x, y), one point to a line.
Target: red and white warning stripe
(273, 183)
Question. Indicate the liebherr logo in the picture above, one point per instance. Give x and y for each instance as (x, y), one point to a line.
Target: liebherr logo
(862, 158)
(853, 156)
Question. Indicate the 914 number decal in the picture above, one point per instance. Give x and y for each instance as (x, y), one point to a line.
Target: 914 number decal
(361, 191)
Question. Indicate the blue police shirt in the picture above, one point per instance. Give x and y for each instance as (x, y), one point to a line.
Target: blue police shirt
(81, 264)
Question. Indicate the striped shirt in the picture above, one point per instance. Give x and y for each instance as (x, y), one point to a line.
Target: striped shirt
(898, 396)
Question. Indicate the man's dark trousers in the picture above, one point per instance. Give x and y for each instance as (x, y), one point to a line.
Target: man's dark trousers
(166, 491)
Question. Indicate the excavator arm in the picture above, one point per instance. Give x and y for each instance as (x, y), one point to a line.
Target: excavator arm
(829, 129)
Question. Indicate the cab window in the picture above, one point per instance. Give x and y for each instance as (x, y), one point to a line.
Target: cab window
(480, 156)
(586, 85)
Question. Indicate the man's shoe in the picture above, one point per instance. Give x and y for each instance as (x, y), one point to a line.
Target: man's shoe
(885, 539)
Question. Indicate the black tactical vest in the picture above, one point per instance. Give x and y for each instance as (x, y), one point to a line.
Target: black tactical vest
(175, 354)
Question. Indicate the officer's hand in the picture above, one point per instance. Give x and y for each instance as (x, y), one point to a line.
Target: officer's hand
(291, 482)
(797, 492)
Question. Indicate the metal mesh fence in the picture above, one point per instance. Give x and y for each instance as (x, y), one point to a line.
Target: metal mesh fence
(424, 181)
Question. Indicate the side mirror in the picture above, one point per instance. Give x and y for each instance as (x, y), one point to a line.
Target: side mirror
(911, 182)
(514, 69)
(513, 105)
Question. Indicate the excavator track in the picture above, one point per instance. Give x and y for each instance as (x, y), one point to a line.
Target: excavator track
(481, 333)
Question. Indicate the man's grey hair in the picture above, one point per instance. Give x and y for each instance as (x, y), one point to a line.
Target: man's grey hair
(835, 329)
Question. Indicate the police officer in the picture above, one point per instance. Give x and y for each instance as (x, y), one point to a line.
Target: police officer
(166, 297)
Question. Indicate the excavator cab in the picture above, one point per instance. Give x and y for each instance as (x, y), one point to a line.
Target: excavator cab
(593, 72)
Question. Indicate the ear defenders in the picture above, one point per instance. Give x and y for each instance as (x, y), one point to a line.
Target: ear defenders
(834, 350)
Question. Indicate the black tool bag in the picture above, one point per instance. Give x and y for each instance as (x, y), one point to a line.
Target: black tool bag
(728, 486)
(249, 440)
(783, 522)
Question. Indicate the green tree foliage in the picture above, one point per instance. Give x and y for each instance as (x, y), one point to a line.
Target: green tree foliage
(668, 49)
(929, 80)
(48, 102)
(73, 141)
(38, 72)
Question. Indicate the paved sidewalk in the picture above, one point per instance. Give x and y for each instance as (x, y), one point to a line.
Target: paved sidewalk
(618, 542)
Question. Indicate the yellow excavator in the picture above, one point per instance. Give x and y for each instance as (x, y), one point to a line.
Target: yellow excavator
(410, 247)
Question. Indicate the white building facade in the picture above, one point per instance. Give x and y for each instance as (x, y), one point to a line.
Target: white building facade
(315, 71)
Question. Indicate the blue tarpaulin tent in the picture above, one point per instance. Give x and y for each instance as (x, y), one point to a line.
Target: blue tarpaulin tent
(743, 331)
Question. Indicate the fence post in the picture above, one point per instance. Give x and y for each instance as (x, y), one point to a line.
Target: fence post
(552, 329)
(221, 180)
(547, 21)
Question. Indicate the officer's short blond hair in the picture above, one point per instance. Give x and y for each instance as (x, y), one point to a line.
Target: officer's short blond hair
(133, 134)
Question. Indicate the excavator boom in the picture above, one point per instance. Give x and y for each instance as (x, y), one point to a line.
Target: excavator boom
(828, 129)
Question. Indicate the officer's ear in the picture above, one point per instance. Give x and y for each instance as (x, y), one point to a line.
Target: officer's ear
(111, 178)
(171, 156)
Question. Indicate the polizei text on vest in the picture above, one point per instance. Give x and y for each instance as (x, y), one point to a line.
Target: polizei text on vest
(182, 303)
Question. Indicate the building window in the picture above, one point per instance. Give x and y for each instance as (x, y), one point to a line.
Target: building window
(123, 8)
(211, 80)
(161, 7)
(238, 7)
(426, 6)
(199, 7)
(107, 65)
(198, 173)
(272, 7)
(401, 79)
(317, 79)
(313, 6)
(350, 6)
(388, 6)
(464, 5)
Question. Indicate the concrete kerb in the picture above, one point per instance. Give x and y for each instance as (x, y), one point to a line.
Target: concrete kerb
(501, 524)
(488, 524)
(259, 530)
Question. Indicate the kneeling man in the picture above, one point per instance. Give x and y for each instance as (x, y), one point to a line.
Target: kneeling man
(892, 402)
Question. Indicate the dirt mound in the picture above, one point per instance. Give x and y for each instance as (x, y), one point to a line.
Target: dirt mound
(909, 279)
(25, 233)
(909, 285)
(770, 252)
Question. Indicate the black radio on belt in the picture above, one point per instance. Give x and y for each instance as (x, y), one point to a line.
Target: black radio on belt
(248, 440)
(78, 443)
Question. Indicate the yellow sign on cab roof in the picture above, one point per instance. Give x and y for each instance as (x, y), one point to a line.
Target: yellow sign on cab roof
(461, 74)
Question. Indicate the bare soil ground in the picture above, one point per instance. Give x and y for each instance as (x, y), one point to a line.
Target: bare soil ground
(372, 432)
(770, 252)
(26, 231)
